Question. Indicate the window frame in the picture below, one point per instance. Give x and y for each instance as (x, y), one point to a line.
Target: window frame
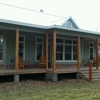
(36, 48)
(64, 50)
(2, 47)
(68, 23)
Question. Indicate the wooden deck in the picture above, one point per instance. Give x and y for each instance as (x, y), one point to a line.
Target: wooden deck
(68, 70)
(21, 71)
(41, 70)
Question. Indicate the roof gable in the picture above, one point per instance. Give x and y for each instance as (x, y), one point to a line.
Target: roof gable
(70, 23)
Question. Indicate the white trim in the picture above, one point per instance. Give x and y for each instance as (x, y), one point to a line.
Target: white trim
(82, 49)
(36, 48)
(50, 48)
(63, 50)
(2, 43)
(89, 49)
(23, 45)
(66, 60)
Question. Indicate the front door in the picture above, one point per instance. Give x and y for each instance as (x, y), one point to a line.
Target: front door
(91, 50)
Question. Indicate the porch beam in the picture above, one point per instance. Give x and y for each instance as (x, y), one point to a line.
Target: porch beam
(54, 50)
(50, 31)
(17, 46)
(97, 56)
(89, 39)
(78, 52)
(46, 51)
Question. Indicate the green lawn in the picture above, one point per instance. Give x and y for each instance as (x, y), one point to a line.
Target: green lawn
(39, 90)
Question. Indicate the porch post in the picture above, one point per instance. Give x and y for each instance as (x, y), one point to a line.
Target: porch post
(46, 51)
(78, 52)
(97, 57)
(54, 50)
(17, 46)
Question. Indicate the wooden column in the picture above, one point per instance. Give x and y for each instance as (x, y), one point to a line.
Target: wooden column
(97, 56)
(78, 52)
(90, 72)
(54, 50)
(16, 51)
(46, 51)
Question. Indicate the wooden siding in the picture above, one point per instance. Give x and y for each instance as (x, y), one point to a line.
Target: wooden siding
(85, 53)
(10, 49)
(30, 47)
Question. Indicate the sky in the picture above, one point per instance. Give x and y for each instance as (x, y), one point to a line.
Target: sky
(86, 13)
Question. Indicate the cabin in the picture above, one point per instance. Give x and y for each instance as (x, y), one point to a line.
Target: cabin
(65, 48)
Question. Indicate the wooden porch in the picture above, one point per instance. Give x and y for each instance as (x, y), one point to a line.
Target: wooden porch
(54, 69)
(4, 72)
(53, 50)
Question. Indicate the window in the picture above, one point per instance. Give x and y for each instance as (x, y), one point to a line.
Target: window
(39, 47)
(1, 48)
(59, 49)
(66, 49)
(91, 50)
(59, 54)
(68, 24)
(68, 52)
(22, 46)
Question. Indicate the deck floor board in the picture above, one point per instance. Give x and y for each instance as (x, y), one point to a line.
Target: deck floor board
(41, 70)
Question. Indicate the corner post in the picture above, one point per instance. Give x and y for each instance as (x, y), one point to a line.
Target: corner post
(54, 50)
(78, 52)
(17, 46)
(46, 51)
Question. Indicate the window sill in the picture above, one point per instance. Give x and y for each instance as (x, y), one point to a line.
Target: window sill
(39, 60)
(66, 60)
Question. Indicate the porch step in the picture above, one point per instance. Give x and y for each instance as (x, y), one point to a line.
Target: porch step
(84, 74)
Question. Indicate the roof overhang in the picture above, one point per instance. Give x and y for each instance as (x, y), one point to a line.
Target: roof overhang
(23, 25)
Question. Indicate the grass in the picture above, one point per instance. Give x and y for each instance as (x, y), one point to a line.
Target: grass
(62, 90)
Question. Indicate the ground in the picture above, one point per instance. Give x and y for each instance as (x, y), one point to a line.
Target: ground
(40, 90)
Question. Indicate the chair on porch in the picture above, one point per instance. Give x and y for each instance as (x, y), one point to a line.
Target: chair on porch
(85, 62)
(22, 63)
(42, 62)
